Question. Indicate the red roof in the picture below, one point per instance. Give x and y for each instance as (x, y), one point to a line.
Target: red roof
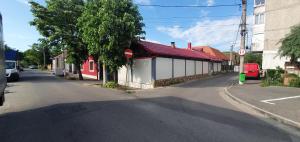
(214, 53)
(164, 50)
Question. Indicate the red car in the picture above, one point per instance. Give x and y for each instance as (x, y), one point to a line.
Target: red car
(252, 70)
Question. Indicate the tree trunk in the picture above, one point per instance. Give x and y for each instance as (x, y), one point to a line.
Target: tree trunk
(115, 76)
(79, 72)
(104, 74)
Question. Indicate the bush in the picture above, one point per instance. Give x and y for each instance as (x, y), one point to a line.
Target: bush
(110, 84)
(295, 82)
(273, 77)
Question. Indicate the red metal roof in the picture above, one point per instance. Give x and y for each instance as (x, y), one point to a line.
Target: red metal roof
(164, 50)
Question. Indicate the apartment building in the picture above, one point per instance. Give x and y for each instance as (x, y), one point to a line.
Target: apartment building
(258, 26)
(273, 21)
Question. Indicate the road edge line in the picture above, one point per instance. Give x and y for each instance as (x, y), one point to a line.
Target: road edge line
(266, 113)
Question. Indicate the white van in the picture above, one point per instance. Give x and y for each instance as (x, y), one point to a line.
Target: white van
(12, 72)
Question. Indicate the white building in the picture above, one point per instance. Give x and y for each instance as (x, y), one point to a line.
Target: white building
(159, 65)
(273, 20)
(258, 26)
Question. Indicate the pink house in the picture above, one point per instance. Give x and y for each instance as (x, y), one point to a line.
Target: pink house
(89, 68)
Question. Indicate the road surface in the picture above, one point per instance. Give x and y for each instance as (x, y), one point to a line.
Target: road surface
(44, 108)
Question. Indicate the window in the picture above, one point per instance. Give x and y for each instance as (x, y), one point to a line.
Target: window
(256, 19)
(262, 18)
(259, 2)
(259, 18)
(91, 65)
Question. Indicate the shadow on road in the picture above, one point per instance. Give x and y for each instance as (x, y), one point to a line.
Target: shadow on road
(214, 81)
(155, 119)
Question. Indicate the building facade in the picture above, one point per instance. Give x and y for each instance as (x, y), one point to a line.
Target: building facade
(280, 17)
(89, 68)
(273, 20)
(258, 26)
(160, 65)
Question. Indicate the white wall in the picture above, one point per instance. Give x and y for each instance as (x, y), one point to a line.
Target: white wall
(215, 67)
(141, 74)
(198, 67)
(179, 70)
(271, 60)
(122, 74)
(142, 71)
(163, 68)
(205, 67)
(219, 67)
(190, 67)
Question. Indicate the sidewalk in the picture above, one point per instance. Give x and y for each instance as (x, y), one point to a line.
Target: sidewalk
(282, 101)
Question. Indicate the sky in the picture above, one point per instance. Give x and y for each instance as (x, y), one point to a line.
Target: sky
(214, 26)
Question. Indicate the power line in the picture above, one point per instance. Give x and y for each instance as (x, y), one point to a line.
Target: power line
(196, 17)
(188, 6)
(181, 27)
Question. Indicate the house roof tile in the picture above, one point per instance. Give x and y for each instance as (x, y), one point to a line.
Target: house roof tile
(165, 50)
(214, 53)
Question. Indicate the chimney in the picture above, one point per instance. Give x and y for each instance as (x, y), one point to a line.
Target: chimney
(173, 44)
(190, 46)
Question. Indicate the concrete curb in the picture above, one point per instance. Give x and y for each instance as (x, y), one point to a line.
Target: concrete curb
(266, 113)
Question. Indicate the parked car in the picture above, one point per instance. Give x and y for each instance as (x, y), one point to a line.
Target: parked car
(32, 67)
(252, 70)
(12, 72)
(2, 69)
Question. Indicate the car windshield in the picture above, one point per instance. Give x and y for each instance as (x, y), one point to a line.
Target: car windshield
(10, 65)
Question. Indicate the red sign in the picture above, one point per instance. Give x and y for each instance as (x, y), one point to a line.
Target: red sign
(128, 53)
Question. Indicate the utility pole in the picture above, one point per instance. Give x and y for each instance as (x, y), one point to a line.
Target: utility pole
(243, 35)
(44, 55)
(231, 55)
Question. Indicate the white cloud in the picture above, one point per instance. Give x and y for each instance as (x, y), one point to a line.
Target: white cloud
(218, 33)
(150, 40)
(210, 2)
(142, 1)
(204, 13)
(26, 2)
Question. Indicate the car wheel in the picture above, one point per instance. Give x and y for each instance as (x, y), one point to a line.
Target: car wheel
(17, 78)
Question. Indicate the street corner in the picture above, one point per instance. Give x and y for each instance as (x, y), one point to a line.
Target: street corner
(278, 103)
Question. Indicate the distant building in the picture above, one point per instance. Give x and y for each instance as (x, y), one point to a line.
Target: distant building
(213, 53)
(273, 20)
(89, 68)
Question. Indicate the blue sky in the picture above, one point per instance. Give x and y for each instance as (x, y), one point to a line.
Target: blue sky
(216, 27)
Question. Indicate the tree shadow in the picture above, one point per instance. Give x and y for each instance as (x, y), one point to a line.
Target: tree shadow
(214, 81)
(153, 119)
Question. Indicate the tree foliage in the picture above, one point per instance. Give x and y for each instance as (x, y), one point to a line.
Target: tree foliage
(35, 55)
(109, 27)
(57, 22)
(290, 45)
(253, 58)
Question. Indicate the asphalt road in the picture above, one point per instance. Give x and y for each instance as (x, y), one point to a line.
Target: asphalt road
(44, 108)
(254, 94)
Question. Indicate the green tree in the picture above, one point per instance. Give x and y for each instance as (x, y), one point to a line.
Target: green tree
(57, 22)
(38, 54)
(109, 27)
(290, 45)
(253, 58)
(32, 56)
